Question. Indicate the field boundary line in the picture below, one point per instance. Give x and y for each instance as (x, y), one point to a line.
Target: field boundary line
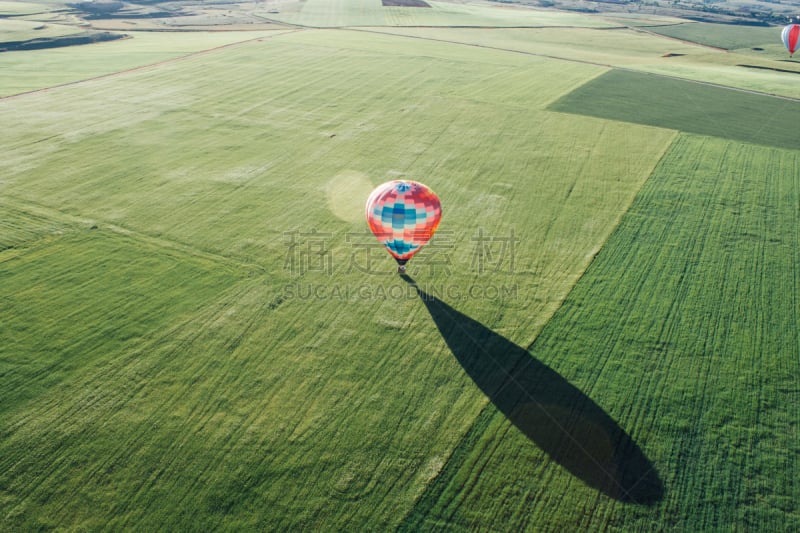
(582, 61)
(615, 227)
(149, 65)
(556, 307)
(153, 240)
(684, 41)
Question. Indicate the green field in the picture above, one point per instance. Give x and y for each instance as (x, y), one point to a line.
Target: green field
(8, 7)
(725, 36)
(335, 13)
(686, 106)
(40, 69)
(23, 30)
(685, 329)
(198, 334)
(633, 50)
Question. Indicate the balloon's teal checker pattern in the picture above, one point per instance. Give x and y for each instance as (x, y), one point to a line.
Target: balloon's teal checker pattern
(403, 215)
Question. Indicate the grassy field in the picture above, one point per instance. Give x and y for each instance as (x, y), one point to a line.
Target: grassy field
(23, 8)
(635, 50)
(725, 36)
(272, 392)
(23, 30)
(333, 13)
(40, 69)
(618, 46)
(261, 118)
(197, 333)
(705, 378)
(67, 266)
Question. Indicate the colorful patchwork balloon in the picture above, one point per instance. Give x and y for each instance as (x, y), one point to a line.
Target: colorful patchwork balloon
(791, 38)
(403, 215)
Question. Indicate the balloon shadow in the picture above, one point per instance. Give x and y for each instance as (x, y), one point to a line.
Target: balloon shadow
(564, 422)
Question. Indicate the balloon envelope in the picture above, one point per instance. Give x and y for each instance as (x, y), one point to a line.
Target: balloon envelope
(791, 37)
(403, 215)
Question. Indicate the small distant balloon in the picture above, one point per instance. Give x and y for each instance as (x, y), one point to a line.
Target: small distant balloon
(403, 215)
(791, 38)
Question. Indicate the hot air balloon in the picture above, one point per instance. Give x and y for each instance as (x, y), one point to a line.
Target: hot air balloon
(403, 215)
(791, 38)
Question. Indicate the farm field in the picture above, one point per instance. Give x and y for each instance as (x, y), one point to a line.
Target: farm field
(765, 71)
(678, 104)
(334, 13)
(18, 30)
(729, 37)
(39, 69)
(197, 331)
(706, 376)
(9, 7)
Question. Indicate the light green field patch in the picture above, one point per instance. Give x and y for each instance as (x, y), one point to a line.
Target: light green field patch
(39, 69)
(483, 14)
(642, 19)
(230, 167)
(24, 30)
(603, 46)
(637, 50)
(329, 13)
(505, 78)
(337, 13)
(21, 8)
(726, 69)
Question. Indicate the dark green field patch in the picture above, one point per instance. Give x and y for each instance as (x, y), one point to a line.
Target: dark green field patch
(727, 36)
(685, 330)
(58, 42)
(686, 106)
